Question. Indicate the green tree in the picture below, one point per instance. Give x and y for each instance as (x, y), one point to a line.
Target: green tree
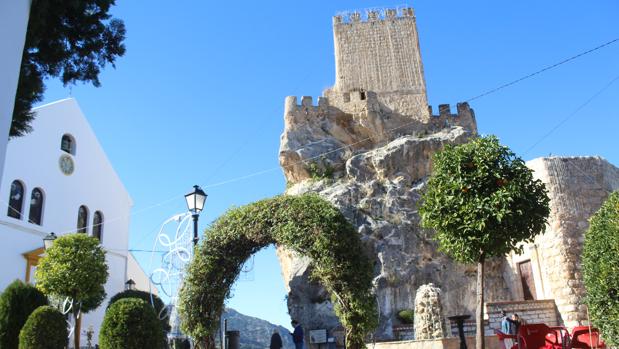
(17, 302)
(70, 39)
(149, 298)
(74, 267)
(601, 269)
(46, 328)
(131, 323)
(482, 201)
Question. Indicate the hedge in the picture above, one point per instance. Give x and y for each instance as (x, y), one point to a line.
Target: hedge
(17, 302)
(131, 323)
(601, 269)
(46, 328)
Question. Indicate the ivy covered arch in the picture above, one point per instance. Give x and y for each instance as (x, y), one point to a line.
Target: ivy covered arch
(306, 224)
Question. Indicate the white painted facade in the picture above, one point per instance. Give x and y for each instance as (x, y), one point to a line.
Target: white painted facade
(34, 161)
(14, 16)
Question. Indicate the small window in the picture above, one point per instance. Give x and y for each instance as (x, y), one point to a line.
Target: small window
(16, 200)
(36, 206)
(97, 225)
(82, 219)
(67, 144)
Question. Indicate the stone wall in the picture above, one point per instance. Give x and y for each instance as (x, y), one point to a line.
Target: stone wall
(378, 51)
(532, 312)
(577, 187)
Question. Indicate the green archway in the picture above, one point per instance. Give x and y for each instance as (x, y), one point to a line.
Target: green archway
(306, 224)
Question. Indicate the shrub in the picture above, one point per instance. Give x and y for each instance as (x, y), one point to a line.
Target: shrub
(146, 296)
(17, 302)
(131, 323)
(601, 273)
(407, 316)
(46, 328)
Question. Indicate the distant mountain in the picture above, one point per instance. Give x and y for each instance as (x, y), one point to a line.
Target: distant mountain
(255, 333)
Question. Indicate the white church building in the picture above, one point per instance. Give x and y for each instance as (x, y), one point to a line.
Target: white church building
(58, 179)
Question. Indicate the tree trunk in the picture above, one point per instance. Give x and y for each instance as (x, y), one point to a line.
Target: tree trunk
(78, 329)
(479, 337)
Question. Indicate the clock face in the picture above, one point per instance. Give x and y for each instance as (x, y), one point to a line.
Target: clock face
(66, 164)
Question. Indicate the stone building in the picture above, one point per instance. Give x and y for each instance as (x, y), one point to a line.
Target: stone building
(366, 146)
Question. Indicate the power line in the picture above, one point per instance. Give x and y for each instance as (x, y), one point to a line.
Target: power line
(528, 76)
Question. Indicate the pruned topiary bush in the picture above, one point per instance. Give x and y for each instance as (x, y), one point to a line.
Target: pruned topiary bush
(46, 328)
(307, 224)
(601, 269)
(131, 323)
(17, 302)
(406, 316)
(156, 302)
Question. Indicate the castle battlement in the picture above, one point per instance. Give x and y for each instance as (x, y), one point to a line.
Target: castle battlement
(308, 105)
(373, 15)
(444, 110)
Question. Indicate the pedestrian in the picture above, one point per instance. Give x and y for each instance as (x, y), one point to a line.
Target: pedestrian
(276, 340)
(506, 328)
(297, 335)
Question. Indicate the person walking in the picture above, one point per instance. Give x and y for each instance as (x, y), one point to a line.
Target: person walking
(276, 340)
(297, 335)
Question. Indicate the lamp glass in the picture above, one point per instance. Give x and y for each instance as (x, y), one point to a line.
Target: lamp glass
(48, 240)
(196, 199)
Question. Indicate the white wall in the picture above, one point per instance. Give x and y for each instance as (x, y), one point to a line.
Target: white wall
(13, 24)
(34, 160)
(137, 274)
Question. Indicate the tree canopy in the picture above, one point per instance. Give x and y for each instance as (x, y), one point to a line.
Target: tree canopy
(307, 224)
(70, 39)
(74, 267)
(483, 202)
(601, 269)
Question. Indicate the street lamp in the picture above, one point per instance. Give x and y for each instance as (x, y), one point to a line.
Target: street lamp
(195, 204)
(130, 285)
(48, 240)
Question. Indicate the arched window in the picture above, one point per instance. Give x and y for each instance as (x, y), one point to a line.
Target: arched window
(36, 206)
(82, 219)
(97, 225)
(67, 144)
(16, 200)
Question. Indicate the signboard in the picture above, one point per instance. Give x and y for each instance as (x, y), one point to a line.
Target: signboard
(318, 336)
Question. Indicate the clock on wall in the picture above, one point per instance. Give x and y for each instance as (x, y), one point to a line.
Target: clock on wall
(66, 164)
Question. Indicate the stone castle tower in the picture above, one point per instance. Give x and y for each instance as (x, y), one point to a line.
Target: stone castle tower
(366, 146)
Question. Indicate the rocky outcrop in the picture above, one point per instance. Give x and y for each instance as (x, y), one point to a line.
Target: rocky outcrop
(376, 181)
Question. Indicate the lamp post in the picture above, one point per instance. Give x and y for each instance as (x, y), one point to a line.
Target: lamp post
(48, 240)
(130, 285)
(195, 204)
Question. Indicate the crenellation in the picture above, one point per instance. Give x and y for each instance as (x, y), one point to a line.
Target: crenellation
(372, 15)
(306, 101)
(444, 110)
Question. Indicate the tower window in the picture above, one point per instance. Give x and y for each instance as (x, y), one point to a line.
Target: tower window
(67, 144)
(16, 200)
(82, 219)
(36, 206)
(97, 225)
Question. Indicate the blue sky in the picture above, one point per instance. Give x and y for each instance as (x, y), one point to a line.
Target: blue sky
(198, 98)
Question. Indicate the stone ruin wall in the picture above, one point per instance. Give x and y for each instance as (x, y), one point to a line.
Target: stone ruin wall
(577, 188)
